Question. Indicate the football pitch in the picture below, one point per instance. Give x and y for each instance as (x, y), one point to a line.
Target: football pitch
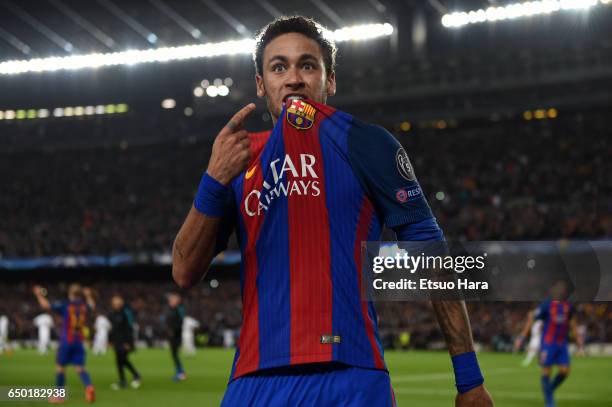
(419, 379)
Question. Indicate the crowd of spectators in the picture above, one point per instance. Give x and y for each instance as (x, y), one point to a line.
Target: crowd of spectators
(502, 181)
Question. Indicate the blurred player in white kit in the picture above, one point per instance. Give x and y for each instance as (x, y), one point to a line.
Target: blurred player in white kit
(189, 326)
(100, 342)
(534, 342)
(4, 327)
(44, 323)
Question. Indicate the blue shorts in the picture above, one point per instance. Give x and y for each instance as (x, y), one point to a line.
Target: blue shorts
(554, 354)
(332, 385)
(71, 354)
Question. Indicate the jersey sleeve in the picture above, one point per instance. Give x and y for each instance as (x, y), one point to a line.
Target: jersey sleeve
(384, 170)
(542, 311)
(129, 316)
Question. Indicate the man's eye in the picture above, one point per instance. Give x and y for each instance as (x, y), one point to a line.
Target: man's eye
(278, 68)
(308, 66)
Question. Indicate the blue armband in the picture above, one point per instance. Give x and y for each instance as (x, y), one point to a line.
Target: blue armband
(211, 197)
(467, 372)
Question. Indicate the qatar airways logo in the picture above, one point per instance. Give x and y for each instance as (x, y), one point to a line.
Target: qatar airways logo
(304, 182)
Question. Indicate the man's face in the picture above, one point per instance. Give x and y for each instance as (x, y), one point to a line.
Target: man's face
(174, 300)
(293, 65)
(117, 302)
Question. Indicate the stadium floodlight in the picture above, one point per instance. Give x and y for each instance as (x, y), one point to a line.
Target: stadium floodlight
(1, 115)
(168, 103)
(43, 113)
(9, 114)
(198, 91)
(516, 10)
(89, 110)
(58, 112)
(228, 82)
(212, 91)
(100, 109)
(362, 32)
(222, 90)
(166, 54)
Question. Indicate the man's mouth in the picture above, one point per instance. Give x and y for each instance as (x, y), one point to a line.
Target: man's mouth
(293, 96)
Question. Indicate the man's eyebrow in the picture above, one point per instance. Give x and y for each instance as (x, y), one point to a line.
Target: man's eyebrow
(285, 59)
(279, 57)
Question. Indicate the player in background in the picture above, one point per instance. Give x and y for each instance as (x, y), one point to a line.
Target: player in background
(4, 333)
(174, 326)
(189, 326)
(122, 338)
(302, 198)
(100, 342)
(535, 337)
(44, 323)
(74, 313)
(558, 318)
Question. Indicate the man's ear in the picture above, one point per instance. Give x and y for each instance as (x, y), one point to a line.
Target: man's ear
(331, 84)
(259, 82)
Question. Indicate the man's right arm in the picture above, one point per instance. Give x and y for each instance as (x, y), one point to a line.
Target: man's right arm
(194, 247)
(525, 331)
(42, 301)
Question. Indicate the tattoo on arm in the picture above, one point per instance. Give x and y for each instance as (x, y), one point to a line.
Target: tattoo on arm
(455, 325)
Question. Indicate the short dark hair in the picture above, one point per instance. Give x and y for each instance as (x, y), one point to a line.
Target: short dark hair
(295, 24)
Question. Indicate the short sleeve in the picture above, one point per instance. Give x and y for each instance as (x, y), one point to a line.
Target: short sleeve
(384, 170)
(542, 311)
(58, 307)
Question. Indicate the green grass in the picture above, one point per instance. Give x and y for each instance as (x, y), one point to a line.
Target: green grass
(419, 379)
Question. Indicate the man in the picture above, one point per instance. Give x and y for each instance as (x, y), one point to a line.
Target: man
(122, 338)
(174, 326)
(100, 341)
(189, 326)
(4, 331)
(535, 338)
(44, 323)
(558, 317)
(302, 198)
(74, 313)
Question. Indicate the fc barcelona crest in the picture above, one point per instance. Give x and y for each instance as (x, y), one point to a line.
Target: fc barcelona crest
(300, 114)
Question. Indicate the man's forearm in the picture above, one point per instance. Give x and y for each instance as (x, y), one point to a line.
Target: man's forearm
(43, 302)
(193, 248)
(455, 325)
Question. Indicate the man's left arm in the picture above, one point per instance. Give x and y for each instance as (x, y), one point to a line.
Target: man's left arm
(384, 170)
(455, 325)
(89, 298)
(577, 337)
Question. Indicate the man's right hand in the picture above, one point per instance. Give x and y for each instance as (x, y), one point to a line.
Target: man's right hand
(231, 150)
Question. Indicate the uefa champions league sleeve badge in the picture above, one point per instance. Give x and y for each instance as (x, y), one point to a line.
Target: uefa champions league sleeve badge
(300, 114)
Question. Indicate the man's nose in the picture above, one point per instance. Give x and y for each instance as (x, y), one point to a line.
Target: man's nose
(294, 79)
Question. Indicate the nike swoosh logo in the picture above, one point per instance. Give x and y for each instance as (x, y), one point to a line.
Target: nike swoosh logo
(250, 172)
